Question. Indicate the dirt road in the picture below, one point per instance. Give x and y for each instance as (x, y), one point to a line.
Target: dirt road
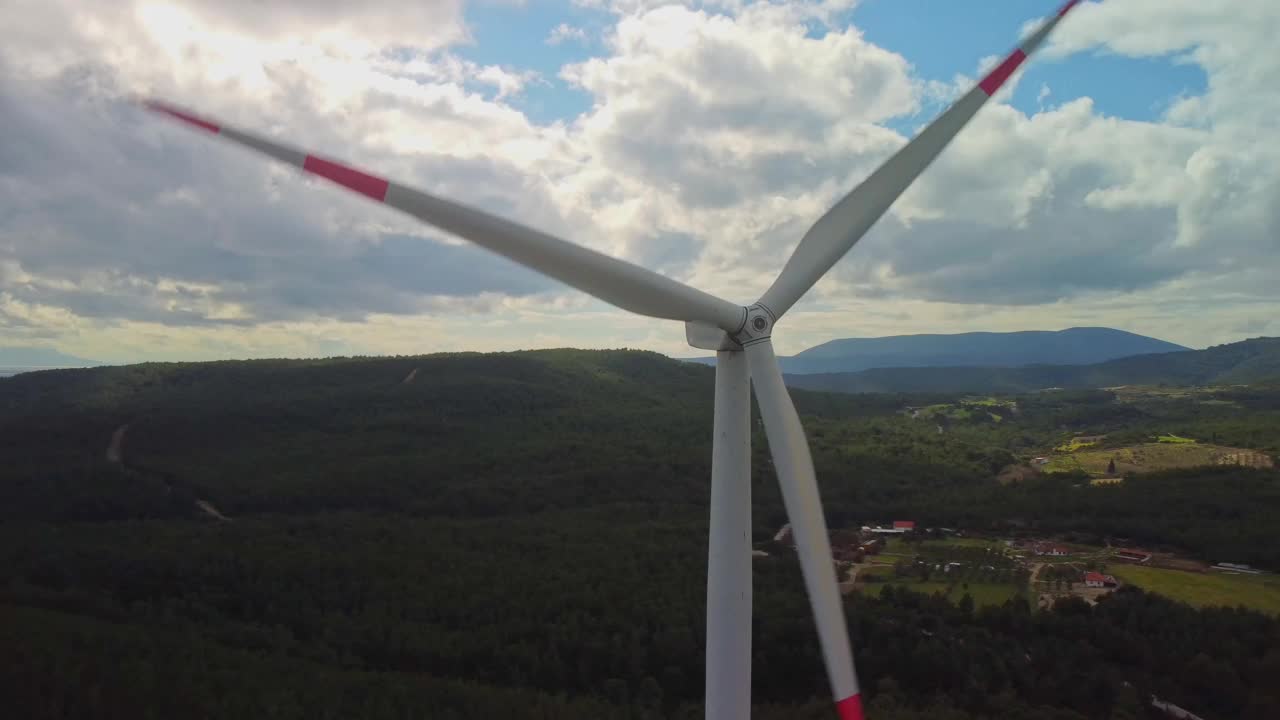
(115, 454)
(115, 450)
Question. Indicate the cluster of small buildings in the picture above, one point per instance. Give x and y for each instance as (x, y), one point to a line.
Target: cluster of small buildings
(852, 545)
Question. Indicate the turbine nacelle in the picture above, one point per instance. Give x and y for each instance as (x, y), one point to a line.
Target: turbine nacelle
(709, 337)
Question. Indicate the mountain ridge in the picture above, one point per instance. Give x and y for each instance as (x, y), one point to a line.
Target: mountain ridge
(1247, 361)
(19, 358)
(1070, 346)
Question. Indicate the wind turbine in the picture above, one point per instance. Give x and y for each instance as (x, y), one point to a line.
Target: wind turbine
(741, 337)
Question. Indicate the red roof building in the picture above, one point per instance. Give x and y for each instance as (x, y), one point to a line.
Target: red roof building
(1097, 580)
(904, 524)
(1133, 555)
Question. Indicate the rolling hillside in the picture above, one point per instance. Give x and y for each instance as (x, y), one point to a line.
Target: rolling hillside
(524, 535)
(1073, 346)
(1248, 361)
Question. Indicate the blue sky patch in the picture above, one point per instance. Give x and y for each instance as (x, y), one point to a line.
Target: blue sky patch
(943, 39)
(515, 37)
(939, 39)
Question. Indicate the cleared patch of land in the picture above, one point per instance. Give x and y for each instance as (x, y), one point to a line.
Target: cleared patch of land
(983, 594)
(968, 408)
(898, 545)
(1077, 443)
(1201, 394)
(1149, 457)
(981, 567)
(1259, 592)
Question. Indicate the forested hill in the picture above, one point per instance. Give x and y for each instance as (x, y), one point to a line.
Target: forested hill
(455, 432)
(1072, 346)
(1248, 361)
(523, 535)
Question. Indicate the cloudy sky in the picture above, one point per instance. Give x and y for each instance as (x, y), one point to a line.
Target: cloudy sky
(1129, 178)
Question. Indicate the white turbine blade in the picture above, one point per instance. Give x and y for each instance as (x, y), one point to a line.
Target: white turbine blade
(844, 224)
(794, 466)
(615, 281)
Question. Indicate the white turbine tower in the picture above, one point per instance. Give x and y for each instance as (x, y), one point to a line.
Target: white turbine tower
(741, 337)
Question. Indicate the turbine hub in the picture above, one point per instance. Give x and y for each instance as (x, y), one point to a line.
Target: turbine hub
(758, 327)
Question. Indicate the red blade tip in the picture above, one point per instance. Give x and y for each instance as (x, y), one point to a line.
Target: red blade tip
(850, 708)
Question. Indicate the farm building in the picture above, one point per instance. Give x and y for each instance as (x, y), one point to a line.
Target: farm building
(897, 529)
(1050, 550)
(1097, 580)
(1236, 568)
(1138, 556)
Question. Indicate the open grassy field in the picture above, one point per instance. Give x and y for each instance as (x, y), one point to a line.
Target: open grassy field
(897, 545)
(968, 542)
(990, 407)
(982, 593)
(1147, 457)
(1260, 592)
(983, 568)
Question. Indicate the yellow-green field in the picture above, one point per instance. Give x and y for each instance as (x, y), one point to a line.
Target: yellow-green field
(1147, 457)
(1260, 592)
(1074, 444)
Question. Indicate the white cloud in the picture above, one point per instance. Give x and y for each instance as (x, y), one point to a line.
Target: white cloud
(565, 32)
(717, 133)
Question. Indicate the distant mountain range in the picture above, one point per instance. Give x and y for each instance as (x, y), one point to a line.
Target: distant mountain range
(21, 359)
(1073, 346)
(1245, 362)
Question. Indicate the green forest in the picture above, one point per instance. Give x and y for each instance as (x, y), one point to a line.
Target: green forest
(524, 535)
